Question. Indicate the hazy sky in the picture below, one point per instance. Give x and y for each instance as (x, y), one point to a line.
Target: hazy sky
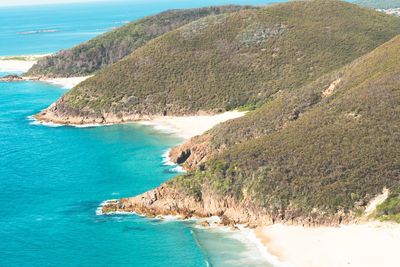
(37, 2)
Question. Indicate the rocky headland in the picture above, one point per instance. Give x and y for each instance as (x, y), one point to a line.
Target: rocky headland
(166, 200)
(11, 78)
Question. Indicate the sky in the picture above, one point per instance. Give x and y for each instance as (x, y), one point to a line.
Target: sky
(38, 2)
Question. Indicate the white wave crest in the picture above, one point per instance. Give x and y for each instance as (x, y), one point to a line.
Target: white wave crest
(248, 237)
(166, 160)
(34, 121)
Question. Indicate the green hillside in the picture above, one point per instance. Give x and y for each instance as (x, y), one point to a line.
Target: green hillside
(379, 3)
(231, 60)
(339, 152)
(389, 210)
(110, 47)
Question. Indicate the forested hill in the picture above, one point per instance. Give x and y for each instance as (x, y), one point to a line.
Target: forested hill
(339, 152)
(227, 61)
(110, 47)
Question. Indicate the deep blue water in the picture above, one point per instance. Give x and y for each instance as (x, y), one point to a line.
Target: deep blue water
(75, 23)
(52, 179)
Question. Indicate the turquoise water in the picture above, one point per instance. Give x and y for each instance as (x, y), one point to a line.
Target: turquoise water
(52, 179)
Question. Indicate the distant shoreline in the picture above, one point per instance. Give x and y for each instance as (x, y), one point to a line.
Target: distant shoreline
(22, 63)
(184, 127)
(67, 83)
(17, 63)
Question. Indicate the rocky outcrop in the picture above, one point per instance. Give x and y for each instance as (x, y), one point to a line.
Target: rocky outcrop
(80, 117)
(11, 78)
(166, 200)
(61, 113)
(193, 153)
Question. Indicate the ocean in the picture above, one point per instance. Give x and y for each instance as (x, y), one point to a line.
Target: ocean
(48, 28)
(53, 179)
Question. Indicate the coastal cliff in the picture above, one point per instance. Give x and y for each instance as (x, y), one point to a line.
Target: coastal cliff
(193, 153)
(321, 168)
(166, 200)
(56, 113)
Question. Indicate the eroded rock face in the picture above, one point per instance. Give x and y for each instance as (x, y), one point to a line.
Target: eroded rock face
(166, 200)
(193, 153)
(58, 112)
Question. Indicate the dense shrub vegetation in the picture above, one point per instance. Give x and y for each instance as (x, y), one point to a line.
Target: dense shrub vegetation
(339, 152)
(227, 61)
(322, 133)
(110, 47)
(390, 209)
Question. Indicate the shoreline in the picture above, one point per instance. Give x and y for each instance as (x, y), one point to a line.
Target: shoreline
(19, 63)
(245, 235)
(67, 83)
(184, 127)
(14, 65)
(187, 127)
(22, 63)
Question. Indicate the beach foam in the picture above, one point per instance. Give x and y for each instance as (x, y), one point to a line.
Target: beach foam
(249, 251)
(249, 237)
(254, 248)
(34, 121)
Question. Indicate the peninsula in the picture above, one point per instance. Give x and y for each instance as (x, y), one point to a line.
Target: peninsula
(317, 147)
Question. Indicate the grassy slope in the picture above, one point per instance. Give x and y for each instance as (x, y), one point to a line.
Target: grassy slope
(379, 3)
(227, 61)
(110, 47)
(340, 152)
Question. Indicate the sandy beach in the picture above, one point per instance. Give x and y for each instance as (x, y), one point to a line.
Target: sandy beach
(67, 83)
(185, 126)
(23, 63)
(20, 63)
(8, 65)
(189, 126)
(361, 245)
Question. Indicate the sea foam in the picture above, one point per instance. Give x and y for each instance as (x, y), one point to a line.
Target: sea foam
(166, 160)
(34, 121)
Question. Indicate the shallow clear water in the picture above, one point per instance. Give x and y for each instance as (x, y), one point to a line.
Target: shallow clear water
(52, 179)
